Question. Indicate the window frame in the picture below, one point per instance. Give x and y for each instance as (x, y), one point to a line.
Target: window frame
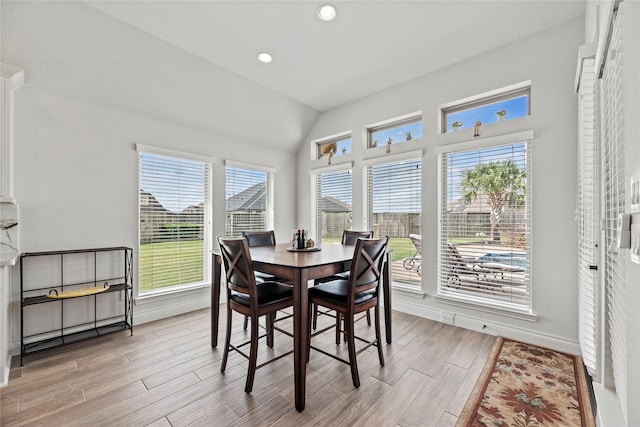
(395, 122)
(480, 303)
(487, 98)
(269, 192)
(207, 219)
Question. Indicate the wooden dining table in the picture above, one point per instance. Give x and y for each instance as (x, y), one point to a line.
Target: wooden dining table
(299, 268)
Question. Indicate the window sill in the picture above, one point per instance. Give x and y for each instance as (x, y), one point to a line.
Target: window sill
(162, 294)
(413, 291)
(514, 313)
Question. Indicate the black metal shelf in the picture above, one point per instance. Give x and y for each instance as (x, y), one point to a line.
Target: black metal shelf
(79, 331)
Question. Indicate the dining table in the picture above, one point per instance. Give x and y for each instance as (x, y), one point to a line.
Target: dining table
(298, 267)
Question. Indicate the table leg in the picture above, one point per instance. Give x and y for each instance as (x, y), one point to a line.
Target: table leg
(386, 289)
(300, 331)
(216, 271)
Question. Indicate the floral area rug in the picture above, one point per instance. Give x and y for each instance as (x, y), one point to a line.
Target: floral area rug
(524, 385)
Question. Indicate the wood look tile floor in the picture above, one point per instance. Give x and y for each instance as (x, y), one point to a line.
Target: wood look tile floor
(167, 374)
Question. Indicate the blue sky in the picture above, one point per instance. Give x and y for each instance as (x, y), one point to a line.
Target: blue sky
(515, 107)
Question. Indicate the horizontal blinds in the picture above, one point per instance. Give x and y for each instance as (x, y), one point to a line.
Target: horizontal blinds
(333, 202)
(588, 301)
(174, 220)
(485, 225)
(613, 161)
(249, 200)
(394, 206)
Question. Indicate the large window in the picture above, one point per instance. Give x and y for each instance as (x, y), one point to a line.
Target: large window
(395, 131)
(485, 225)
(174, 218)
(332, 189)
(249, 198)
(394, 202)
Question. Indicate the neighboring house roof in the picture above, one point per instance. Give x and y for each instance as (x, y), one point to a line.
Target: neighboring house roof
(148, 202)
(479, 205)
(331, 204)
(253, 198)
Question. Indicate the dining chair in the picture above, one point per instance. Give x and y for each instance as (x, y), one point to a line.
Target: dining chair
(246, 297)
(349, 297)
(256, 239)
(349, 238)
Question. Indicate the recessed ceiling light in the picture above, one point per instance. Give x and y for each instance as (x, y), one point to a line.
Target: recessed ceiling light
(264, 57)
(327, 12)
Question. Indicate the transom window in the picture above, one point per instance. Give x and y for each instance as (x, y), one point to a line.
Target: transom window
(336, 146)
(485, 226)
(174, 218)
(395, 131)
(489, 109)
(249, 198)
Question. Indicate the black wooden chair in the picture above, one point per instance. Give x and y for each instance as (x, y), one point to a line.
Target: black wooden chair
(261, 238)
(349, 297)
(349, 238)
(246, 297)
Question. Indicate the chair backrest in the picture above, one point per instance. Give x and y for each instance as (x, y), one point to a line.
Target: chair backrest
(350, 238)
(366, 266)
(260, 238)
(454, 257)
(237, 266)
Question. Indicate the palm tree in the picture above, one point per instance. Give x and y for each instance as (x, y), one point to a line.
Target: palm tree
(502, 182)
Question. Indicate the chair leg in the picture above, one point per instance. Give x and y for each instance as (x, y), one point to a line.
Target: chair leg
(253, 356)
(227, 340)
(309, 321)
(338, 328)
(270, 319)
(368, 318)
(246, 323)
(378, 334)
(315, 316)
(351, 342)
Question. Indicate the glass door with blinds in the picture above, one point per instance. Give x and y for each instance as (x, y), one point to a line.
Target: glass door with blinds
(485, 225)
(249, 199)
(393, 194)
(332, 189)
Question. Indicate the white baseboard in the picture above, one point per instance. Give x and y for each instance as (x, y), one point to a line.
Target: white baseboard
(492, 328)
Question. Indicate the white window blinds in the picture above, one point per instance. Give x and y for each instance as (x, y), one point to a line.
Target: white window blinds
(587, 217)
(174, 206)
(613, 169)
(485, 226)
(333, 201)
(394, 206)
(249, 200)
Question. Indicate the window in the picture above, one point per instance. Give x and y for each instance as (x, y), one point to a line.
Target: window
(334, 146)
(174, 218)
(249, 198)
(398, 130)
(394, 202)
(487, 109)
(332, 189)
(485, 226)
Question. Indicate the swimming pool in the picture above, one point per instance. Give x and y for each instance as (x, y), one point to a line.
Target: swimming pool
(514, 259)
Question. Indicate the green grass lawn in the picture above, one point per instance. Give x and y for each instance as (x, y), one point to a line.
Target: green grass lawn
(172, 263)
(401, 247)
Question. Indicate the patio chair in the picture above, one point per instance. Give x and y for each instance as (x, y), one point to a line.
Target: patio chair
(457, 266)
(415, 261)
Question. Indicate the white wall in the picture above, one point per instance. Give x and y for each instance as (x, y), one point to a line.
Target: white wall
(548, 60)
(94, 88)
